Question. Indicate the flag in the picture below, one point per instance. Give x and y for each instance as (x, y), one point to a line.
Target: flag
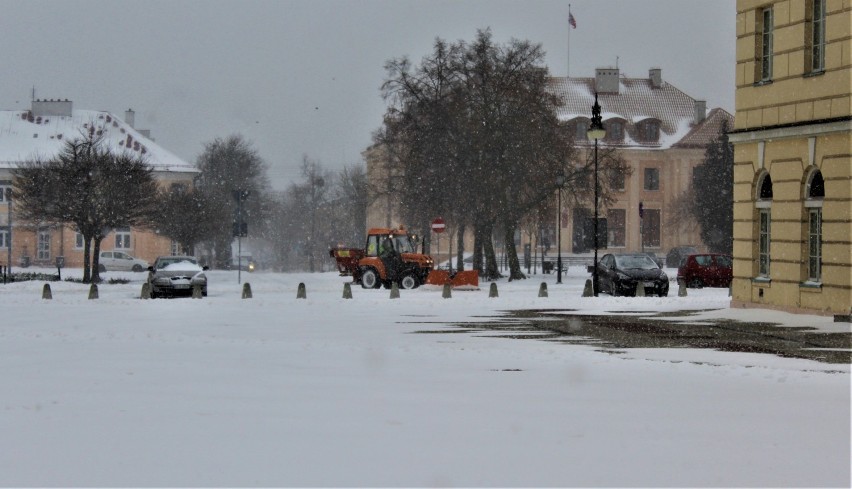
(571, 20)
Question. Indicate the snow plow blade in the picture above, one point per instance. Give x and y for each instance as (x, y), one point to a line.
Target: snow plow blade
(463, 280)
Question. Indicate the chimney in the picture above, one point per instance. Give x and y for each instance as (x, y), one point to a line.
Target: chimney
(700, 111)
(130, 117)
(606, 80)
(656, 77)
(56, 108)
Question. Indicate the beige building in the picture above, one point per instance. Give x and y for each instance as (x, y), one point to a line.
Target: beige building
(793, 156)
(41, 132)
(659, 131)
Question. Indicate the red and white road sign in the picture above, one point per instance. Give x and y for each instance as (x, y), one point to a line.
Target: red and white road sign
(438, 225)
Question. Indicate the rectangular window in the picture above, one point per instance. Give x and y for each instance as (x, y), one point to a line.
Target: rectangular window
(652, 179)
(5, 191)
(122, 239)
(763, 243)
(581, 129)
(765, 44)
(4, 237)
(817, 40)
(815, 245)
(615, 227)
(78, 241)
(651, 228)
(43, 251)
(616, 179)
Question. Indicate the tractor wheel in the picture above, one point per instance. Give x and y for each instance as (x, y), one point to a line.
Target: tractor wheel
(408, 281)
(370, 279)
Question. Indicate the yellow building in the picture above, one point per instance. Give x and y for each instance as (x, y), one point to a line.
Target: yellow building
(41, 132)
(792, 156)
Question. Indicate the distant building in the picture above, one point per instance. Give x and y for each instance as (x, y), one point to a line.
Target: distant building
(661, 133)
(41, 132)
(793, 156)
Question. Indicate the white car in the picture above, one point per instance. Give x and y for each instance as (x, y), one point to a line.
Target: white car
(176, 275)
(118, 260)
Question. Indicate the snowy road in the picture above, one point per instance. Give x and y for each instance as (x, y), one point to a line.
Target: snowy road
(277, 391)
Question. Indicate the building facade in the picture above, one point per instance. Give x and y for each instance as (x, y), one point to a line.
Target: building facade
(792, 148)
(660, 132)
(41, 132)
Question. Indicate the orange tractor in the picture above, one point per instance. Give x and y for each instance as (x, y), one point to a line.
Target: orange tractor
(390, 256)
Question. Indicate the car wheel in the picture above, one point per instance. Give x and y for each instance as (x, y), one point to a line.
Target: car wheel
(370, 279)
(101, 268)
(409, 281)
(137, 268)
(695, 283)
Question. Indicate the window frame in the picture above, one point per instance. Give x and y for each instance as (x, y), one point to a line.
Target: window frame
(4, 237)
(122, 239)
(816, 40)
(646, 183)
(612, 229)
(815, 244)
(765, 44)
(4, 184)
(764, 241)
(43, 237)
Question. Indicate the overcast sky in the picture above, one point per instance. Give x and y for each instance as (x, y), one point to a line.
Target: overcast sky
(300, 77)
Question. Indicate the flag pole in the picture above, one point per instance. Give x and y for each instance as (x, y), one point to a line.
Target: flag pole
(568, 66)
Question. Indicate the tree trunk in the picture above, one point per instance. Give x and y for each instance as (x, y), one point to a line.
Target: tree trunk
(96, 254)
(460, 248)
(515, 272)
(477, 247)
(87, 259)
(491, 272)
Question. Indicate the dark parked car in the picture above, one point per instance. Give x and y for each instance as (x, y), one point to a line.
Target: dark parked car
(176, 275)
(676, 255)
(706, 270)
(618, 274)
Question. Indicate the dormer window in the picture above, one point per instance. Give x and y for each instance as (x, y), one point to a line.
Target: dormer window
(581, 128)
(649, 131)
(614, 131)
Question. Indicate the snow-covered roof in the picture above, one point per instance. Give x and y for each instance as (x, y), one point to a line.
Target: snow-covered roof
(24, 137)
(636, 100)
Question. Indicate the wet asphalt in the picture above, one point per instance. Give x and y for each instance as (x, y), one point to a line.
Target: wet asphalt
(624, 330)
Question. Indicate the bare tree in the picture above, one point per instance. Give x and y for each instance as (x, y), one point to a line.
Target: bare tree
(90, 187)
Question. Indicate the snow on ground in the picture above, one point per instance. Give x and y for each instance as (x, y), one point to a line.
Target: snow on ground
(279, 391)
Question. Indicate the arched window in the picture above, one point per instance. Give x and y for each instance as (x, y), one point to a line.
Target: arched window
(764, 221)
(814, 195)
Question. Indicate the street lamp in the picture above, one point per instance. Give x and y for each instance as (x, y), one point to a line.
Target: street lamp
(560, 182)
(596, 131)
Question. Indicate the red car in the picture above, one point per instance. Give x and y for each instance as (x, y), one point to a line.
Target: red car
(706, 270)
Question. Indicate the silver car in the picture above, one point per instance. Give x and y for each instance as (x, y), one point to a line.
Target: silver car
(119, 260)
(176, 275)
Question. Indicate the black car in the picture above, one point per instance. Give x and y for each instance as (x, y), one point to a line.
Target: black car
(618, 274)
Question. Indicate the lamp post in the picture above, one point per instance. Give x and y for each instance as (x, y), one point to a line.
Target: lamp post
(560, 182)
(596, 131)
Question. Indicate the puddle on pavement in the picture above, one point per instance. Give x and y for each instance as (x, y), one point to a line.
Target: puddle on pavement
(623, 330)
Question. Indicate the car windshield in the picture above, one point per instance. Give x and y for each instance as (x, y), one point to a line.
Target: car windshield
(174, 263)
(634, 262)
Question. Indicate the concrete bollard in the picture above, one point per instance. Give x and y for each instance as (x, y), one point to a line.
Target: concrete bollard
(640, 289)
(542, 290)
(681, 287)
(394, 291)
(196, 292)
(146, 291)
(492, 292)
(447, 293)
(246, 291)
(93, 291)
(588, 290)
(347, 291)
(302, 292)
(46, 293)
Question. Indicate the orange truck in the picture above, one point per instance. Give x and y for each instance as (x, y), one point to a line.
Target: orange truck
(390, 256)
